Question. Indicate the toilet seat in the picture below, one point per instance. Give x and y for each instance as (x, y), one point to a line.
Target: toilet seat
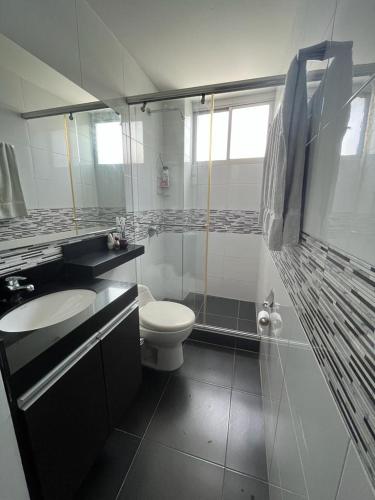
(164, 316)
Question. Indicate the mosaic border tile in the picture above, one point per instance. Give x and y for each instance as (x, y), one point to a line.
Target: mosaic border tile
(334, 296)
(48, 221)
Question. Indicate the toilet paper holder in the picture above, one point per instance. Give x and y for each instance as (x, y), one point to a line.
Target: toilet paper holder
(264, 315)
(264, 320)
(269, 300)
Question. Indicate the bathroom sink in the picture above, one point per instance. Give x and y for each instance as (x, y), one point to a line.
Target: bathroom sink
(47, 310)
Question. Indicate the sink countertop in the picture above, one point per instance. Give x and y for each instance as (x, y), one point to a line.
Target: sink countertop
(29, 355)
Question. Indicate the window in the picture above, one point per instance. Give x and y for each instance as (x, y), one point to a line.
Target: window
(237, 133)
(220, 123)
(109, 143)
(355, 129)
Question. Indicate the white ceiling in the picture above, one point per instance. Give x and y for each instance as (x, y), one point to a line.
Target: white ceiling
(183, 43)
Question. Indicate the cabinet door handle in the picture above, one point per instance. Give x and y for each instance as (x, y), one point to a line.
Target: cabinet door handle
(36, 391)
(109, 327)
(41, 387)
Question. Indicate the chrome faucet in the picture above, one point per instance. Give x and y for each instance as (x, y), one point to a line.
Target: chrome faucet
(13, 284)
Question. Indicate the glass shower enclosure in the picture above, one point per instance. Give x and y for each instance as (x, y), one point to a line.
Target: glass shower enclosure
(196, 191)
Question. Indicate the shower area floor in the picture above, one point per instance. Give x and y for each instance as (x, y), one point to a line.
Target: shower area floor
(222, 312)
(194, 434)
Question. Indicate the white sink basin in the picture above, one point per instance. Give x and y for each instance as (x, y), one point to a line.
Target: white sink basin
(47, 310)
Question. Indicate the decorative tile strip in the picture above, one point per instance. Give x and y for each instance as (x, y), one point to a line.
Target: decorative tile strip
(334, 296)
(48, 221)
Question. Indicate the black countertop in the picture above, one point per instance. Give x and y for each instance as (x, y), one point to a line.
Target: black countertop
(30, 355)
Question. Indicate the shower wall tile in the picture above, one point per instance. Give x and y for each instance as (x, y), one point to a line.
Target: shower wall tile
(334, 296)
(321, 434)
(354, 482)
(286, 460)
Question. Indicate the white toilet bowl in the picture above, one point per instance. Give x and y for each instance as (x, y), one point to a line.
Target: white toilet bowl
(164, 326)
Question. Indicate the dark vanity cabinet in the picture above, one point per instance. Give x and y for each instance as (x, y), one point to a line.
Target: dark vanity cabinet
(68, 415)
(67, 425)
(122, 366)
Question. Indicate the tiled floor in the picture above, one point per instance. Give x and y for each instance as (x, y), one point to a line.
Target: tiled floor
(226, 313)
(196, 434)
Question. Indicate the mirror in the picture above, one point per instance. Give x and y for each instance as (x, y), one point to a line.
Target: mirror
(72, 173)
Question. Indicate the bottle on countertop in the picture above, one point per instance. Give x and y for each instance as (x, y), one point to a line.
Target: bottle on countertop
(110, 241)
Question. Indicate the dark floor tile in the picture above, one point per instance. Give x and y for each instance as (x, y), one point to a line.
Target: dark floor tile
(222, 306)
(248, 344)
(247, 325)
(160, 473)
(193, 417)
(216, 320)
(247, 372)
(207, 363)
(108, 472)
(246, 447)
(213, 338)
(139, 414)
(239, 487)
(247, 310)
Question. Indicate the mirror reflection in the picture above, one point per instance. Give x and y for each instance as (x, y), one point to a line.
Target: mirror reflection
(61, 175)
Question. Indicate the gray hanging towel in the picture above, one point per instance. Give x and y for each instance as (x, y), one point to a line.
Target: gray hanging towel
(12, 203)
(284, 162)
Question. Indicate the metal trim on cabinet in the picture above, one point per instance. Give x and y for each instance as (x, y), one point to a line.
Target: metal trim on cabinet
(41, 387)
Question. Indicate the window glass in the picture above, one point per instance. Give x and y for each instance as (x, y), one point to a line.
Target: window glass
(249, 132)
(109, 143)
(352, 137)
(219, 136)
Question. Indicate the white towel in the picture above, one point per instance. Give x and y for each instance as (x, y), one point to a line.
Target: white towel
(12, 203)
(284, 163)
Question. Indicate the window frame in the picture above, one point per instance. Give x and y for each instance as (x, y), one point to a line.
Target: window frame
(229, 105)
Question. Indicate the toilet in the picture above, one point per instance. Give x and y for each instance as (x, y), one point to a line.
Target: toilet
(163, 326)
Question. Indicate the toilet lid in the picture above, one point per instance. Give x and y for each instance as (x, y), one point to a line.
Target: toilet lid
(166, 316)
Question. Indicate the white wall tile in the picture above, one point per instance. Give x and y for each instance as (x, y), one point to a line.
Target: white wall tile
(46, 162)
(126, 272)
(27, 175)
(54, 193)
(243, 246)
(321, 433)
(48, 134)
(244, 197)
(285, 453)
(12, 128)
(354, 481)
